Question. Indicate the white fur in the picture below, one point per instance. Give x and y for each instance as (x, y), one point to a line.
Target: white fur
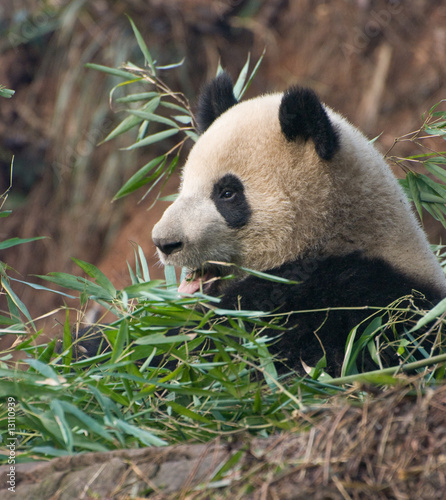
(301, 205)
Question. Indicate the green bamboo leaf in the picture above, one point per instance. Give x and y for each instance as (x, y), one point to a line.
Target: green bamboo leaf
(133, 277)
(146, 437)
(143, 96)
(41, 287)
(142, 45)
(139, 178)
(183, 119)
(46, 355)
(268, 277)
(185, 412)
(16, 301)
(67, 343)
(253, 74)
(192, 135)
(151, 139)
(120, 342)
(173, 65)
(436, 170)
(429, 207)
(170, 275)
(348, 361)
(132, 121)
(436, 159)
(175, 107)
(85, 421)
(436, 131)
(4, 92)
(431, 198)
(227, 466)
(64, 427)
(159, 339)
(18, 241)
(98, 275)
(151, 117)
(144, 265)
(44, 369)
(435, 106)
(5, 320)
(439, 211)
(77, 283)
(241, 79)
(433, 314)
(112, 71)
(138, 290)
(126, 125)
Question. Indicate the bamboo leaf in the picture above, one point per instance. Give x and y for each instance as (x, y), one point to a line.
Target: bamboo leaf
(436, 170)
(434, 313)
(132, 121)
(44, 369)
(143, 96)
(175, 107)
(142, 45)
(44, 288)
(112, 71)
(77, 283)
(139, 178)
(18, 241)
(151, 117)
(151, 139)
(98, 275)
(161, 339)
(185, 412)
(241, 79)
(85, 421)
(16, 301)
(64, 427)
(120, 342)
(170, 275)
(67, 343)
(146, 437)
(253, 74)
(4, 92)
(144, 265)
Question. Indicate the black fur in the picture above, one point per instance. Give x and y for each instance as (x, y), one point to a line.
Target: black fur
(229, 198)
(334, 282)
(302, 115)
(350, 281)
(216, 97)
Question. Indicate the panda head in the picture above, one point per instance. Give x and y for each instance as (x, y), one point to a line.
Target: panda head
(277, 178)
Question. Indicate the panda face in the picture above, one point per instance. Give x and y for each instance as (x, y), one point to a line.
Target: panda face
(241, 200)
(279, 178)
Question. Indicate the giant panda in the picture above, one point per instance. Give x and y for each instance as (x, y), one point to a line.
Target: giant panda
(284, 185)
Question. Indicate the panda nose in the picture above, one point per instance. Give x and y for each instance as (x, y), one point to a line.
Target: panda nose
(168, 247)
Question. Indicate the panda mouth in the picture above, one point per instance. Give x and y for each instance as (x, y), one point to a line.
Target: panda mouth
(206, 280)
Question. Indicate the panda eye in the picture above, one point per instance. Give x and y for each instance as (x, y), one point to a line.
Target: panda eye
(227, 194)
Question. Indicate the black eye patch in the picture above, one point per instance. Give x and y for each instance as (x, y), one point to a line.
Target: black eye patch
(228, 194)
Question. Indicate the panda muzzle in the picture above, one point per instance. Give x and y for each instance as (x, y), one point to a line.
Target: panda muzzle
(196, 282)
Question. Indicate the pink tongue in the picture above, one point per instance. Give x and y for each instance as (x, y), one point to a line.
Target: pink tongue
(189, 285)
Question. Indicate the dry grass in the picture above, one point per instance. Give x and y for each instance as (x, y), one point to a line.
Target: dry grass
(391, 446)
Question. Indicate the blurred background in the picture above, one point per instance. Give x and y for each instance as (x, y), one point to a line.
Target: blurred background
(380, 63)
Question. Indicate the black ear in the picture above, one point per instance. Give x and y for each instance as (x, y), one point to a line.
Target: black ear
(301, 114)
(216, 97)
